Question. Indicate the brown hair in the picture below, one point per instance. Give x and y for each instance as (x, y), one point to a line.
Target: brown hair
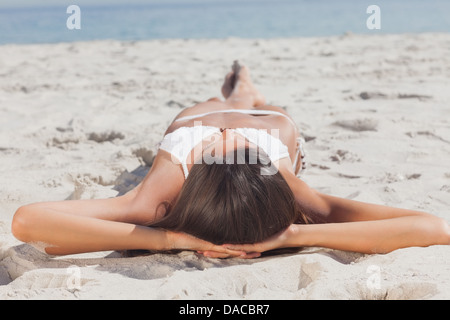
(234, 203)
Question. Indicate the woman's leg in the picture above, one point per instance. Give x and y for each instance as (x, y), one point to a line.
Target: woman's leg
(239, 90)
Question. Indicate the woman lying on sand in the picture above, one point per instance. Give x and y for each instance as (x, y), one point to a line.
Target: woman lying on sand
(225, 183)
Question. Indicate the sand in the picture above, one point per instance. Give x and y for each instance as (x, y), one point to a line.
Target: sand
(81, 120)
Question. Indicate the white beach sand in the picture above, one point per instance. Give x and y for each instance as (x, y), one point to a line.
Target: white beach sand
(81, 120)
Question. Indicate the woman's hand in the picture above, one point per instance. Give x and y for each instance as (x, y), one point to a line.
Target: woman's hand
(183, 241)
(282, 239)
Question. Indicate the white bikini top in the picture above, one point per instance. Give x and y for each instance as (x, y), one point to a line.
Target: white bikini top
(182, 141)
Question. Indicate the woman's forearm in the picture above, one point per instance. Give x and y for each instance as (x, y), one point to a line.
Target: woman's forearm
(379, 236)
(68, 234)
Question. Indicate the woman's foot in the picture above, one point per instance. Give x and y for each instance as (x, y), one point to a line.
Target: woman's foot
(228, 85)
(239, 86)
(230, 80)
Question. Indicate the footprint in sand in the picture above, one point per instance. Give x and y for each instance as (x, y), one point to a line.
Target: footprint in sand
(146, 155)
(105, 136)
(389, 177)
(344, 155)
(400, 291)
(357, 125)
(379, 95)
(426, 134)
(175, 104)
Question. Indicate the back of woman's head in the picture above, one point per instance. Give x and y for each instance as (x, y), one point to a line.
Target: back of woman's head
(239, 202)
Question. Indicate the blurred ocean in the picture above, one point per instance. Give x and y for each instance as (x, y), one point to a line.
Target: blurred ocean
(220, 19)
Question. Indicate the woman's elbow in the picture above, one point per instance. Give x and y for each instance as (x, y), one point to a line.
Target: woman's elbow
(438, 230)
(444, 232)
(21, 224)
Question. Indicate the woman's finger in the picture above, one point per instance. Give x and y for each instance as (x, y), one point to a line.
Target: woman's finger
(223, 253)
(214, 254)
(243, 247)
(251, 255)
(241, 255)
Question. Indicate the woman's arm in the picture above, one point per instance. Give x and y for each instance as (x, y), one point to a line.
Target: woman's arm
(64, 233)
(76, 226)
(377, 236)
(365, 227)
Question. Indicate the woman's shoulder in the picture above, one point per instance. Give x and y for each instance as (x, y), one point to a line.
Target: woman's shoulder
(161, 185)
(309, 199)
(164, 176)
